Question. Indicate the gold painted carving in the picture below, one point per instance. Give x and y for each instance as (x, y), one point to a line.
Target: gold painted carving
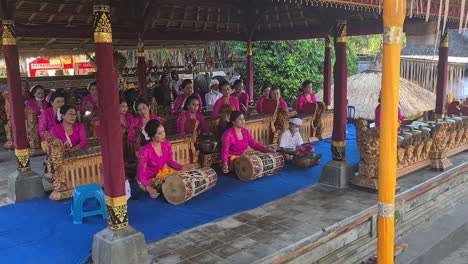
(117, 214)
(327, 41)
(444, 41)
(22, 156)
(392, 35)
(102, 24)
(341, 32)
(9, 35)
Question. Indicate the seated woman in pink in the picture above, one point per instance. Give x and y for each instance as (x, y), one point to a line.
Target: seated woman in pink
(306, 97)
(142, 108)
(72, 134)
(154, 158)
(275, 97)
(236, 139)
(186, 122)
(90, 102)
(187, 87)
(125, 117)
(377, 116)
(241, 95)
(225, 88)
(265, 95)
(48, 116)
(37, 101)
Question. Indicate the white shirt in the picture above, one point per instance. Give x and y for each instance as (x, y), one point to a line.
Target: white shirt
(290, 141)
(211, 98)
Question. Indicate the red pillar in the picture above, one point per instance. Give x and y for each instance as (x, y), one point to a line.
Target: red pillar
(442, 69)
(250, 71)
(10, 51)
(340, 75)
(141, 69)
(111, 143)
(327, 70)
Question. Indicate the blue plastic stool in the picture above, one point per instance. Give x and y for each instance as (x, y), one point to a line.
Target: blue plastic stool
(351, 114)
(80, 194)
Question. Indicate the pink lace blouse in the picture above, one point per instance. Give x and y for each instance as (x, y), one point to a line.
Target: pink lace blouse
(32, 103)
(149, 163)
(138, 122)
(232, 100)
(302, 100)
(46, 122)
(179, 103)
(77, 138)
(183, 129)
(232, 145)
(88, 99)
(243, 98)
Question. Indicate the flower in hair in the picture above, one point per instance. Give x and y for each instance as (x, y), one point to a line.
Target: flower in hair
(59, 116)
(143, 131)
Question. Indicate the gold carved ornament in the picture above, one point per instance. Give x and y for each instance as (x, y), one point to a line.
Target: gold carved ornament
(9, 34)
(392, 35)
(22, 156)
(117, 214)
(141, 49)
(341, 33)
(338, 150)
(327, 41)
(444, 41)
(102, 24)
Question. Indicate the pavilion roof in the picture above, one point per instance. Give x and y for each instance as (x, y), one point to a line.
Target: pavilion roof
(65, 26)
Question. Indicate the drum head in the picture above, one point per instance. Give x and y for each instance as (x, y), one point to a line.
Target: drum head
(173, 190)
(244, 168)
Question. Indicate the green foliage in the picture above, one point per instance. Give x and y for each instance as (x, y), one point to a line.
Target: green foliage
(286, 64)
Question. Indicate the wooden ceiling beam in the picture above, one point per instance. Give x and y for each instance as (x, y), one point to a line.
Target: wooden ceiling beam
(208, 15)
(19, 4)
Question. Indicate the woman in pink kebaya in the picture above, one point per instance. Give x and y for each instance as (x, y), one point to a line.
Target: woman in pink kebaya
(306, 97)
(187, 88)
(154, 159)
(37, 101)
(186, 122)
(236, 139)
(225, 89)
(48, 116)
(72, 134)
(90, 102)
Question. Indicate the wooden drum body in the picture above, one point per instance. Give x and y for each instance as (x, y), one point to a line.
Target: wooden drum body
(181, 187)
(254, 166)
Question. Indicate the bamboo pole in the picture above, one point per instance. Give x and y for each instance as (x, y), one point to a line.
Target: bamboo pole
(393, 19)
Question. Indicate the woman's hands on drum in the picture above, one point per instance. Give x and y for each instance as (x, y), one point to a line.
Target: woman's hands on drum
(152, 192)
(225, 168)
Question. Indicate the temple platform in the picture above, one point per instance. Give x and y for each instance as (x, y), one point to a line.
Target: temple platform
(310, 224)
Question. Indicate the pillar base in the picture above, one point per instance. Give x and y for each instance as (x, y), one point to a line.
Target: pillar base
(120, 247)
(48, 187)
(24, 186)
(337, 174)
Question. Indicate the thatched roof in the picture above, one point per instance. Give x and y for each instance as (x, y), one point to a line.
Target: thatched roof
(364, 90)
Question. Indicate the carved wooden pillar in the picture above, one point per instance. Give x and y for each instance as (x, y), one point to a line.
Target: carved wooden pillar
(111, 143)
(442, 72)
(10, 51)
(340, 75)
(327, 70)
(250, 71)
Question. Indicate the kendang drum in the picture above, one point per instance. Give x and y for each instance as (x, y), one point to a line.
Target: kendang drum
(181, 187)
(254, 166)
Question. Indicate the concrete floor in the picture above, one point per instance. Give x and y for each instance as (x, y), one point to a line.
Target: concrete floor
(460, 256)
(252, 235)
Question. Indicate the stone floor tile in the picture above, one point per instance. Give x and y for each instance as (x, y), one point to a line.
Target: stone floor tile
(228, 223)
(259, 212)
(240, 258)
(242, 242)
(226, 252)
(244, 229)
(261, 236)
(169, 259)
(260, 250)
(245, 217)
(211, 228)
(226, 236)
(290, 223)
(274, 218)
(169, 244)
(210, 244)
(193, 236)
(206, 258)
(189, 251)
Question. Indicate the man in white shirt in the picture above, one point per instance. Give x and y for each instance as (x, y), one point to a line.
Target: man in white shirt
(213, 95)
(291, 139)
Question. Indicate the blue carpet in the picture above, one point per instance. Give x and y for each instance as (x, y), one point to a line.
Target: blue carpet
(42, 231)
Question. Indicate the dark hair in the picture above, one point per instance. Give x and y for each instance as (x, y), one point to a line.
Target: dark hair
(223, 83)
(237, 82)
(34, 89)
(91, 83)
(150, 128)
(305, 83)
(138, 102)
(266, 86)
(63, 110)
(56, 95)
(275, 88)
(185, 82)
(122, 99)
(26, 81)
(232, 118)
(189, 100)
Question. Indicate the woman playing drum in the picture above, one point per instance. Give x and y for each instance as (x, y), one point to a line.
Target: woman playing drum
(154, 158)
(236, 139)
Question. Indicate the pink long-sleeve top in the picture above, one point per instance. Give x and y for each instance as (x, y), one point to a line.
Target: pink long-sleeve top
(128, 121)
(302, 100)
(184, 128)
(88, 99)
(232, 100)
(77, 138)
(180, 100)
(46, 122)
(377, 116)
(243, 98)
(149, 163)
(232, 145)
(138, 122)
(260, 104)
(32, 103)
